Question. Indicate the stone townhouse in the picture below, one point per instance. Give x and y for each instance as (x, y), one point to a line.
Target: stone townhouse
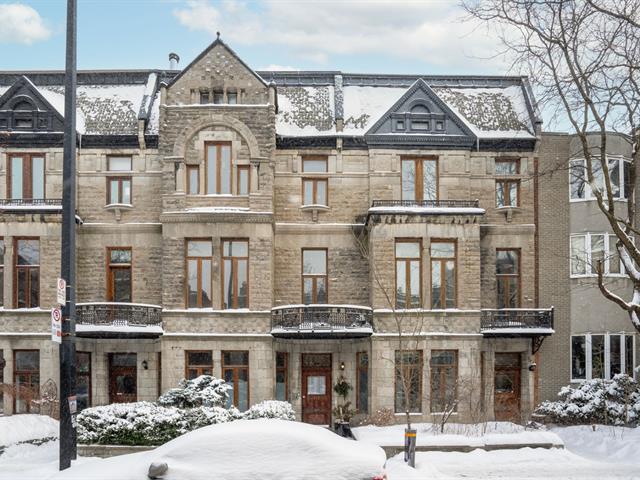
(594, 337)
(281, 230)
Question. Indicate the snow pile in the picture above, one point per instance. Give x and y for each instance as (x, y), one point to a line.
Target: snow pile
(255, 449)
(24, 428)
(602, 442)
(459, 435)
(609, 402)
(271, 409)
(203, 390)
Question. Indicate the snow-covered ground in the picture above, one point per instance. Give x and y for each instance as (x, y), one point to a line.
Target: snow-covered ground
(21, 428)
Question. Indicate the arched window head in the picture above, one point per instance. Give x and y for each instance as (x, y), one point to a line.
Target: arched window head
(420, 108)
(24, 106)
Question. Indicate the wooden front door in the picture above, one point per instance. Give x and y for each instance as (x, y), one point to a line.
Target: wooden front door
(507, 387)
(123, 378)
(316, 388)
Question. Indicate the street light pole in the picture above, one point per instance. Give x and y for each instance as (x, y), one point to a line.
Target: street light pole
(68, 253)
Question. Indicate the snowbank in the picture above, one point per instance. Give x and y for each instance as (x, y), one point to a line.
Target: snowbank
(605, 443)
(21, 428)
(459, 435)
(248, 450)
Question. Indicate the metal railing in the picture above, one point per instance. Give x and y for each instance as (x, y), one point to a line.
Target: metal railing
(322, 319)
(427, 203)
(118, 314)
(516, 318)
(30, 202)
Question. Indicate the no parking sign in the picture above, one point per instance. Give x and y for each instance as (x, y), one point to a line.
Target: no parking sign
(56, 325)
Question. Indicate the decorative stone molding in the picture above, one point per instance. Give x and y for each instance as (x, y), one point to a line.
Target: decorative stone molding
(216, 217)
(314, 209)
(117, 209)
(509, 212)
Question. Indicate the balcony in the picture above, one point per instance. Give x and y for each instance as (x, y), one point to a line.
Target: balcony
(31, 205)
(534, 323)
(424, 208)
(321, 321)
(118, 320)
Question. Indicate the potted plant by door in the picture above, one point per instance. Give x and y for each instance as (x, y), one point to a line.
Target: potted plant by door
(343, 411)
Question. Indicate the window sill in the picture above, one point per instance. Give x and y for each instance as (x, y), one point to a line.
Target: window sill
(314, 209)
(411, 414)
(117, 209)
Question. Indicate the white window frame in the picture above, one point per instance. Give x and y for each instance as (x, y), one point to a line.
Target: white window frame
(588, 194)
(588, 364)
(608, 238)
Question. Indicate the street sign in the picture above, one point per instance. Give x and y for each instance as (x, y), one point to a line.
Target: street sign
(61, 294)
(56, 325)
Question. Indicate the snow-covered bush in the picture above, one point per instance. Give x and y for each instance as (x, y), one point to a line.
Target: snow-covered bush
(270, 409)
(204, 390)
(609, 402)
(202, 416)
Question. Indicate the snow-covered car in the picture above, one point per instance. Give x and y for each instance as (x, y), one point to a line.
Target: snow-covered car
(244, 450)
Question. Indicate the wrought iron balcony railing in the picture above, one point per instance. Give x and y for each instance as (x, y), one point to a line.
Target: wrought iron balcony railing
(321, 321)
(427, 203)
(517, 321)
(28, 203)
(121, 318)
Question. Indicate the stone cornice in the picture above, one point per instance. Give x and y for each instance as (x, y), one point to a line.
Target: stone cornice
(216, 217)
(105, 228)
(398, 218)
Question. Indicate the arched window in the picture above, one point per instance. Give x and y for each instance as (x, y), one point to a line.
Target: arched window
(23, 105)
(420, 108)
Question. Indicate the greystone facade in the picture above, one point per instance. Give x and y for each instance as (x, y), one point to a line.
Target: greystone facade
(364, 128)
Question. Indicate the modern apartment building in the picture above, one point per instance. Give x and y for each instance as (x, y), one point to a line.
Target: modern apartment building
(594, 337)
(280, 230)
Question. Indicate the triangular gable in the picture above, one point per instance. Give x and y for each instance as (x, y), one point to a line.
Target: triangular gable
(44, 116)
(204, 53)
(420, 116)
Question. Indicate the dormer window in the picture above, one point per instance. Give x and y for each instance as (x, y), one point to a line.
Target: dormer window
(420, 125)
(25, 122)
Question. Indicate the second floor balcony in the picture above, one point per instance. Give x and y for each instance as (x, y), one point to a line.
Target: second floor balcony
(423, 208)
(31, 205)
(118, 320)
(517, 322)
(321, 321)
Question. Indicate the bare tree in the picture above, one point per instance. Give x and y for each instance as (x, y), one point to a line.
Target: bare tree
(583, 56)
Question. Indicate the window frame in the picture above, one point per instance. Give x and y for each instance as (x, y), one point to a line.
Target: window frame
(111, 267)
(2, 269)
(359, 369)
(420, 366)
(588, 354)
(198, 272)
(189, 169)
(505, 180)
(407, 261)
(241, 168)
(87, 375)
(234, 278)
(30, 373)
(199, 368)
(27, 174)
(518, 276)
(315, 178)
(588, 194)
(218, 185)
(442, 261)
(285, 371)
(314, 276)
(443, 384)
(419, 177)
(236, 369)
(17, 268)
(587, 259)
(120, 180)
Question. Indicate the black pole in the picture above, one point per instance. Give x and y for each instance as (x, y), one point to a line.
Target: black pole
(68, 254)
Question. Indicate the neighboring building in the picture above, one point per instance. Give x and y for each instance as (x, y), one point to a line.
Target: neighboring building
(272, 228)
(594, 337)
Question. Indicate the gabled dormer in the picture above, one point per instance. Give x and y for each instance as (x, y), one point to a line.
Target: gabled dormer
(217, 76)
(420, 117)
(23, 108)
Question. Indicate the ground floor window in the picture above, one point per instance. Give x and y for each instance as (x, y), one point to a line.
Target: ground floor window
(26, 378)
(198, 362)
(362, 382)
(235, 371)
(282, 375)
(123, 377)
(83, 380)
(408, 381)
(602, 355)
(444, 380)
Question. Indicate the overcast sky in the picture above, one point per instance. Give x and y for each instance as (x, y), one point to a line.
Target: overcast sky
(420, 36)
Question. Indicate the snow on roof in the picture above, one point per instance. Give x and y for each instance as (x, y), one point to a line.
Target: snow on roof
(306, 111)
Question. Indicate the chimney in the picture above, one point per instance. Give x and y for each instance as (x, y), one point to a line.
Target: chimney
(174, 59)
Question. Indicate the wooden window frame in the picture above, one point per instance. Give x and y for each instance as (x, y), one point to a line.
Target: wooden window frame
(236, 368)
(191, 168)
(442, 393)
(88, 375)
(199, 368)
(314, 276)
(407, 261)
(504, 181)
(420, 366)
(118, 266)
(442, 262)
(27, 174)
(16, 269)
(315, 178)
(120, 180)
(24, 372)
(218, 185)
(240, 168)
(284, 370)
(502, 276)
(359, 368)
(419, 176)
(234, 261)
(198, 273)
